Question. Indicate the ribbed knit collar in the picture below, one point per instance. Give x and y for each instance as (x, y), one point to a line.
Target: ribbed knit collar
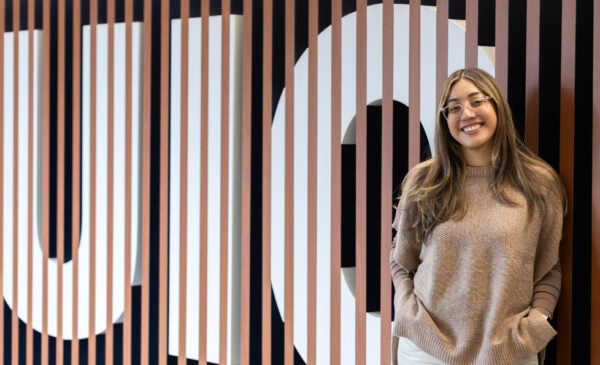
(480, 171)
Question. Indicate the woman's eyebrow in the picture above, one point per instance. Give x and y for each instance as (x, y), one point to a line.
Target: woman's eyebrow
(468, 96)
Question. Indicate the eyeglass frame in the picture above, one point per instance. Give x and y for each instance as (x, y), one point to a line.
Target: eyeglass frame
(444, 109)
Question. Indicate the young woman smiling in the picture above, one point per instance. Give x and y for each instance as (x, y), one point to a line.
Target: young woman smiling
(475, 260)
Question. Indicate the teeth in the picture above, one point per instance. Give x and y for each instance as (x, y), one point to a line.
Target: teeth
(471, 128)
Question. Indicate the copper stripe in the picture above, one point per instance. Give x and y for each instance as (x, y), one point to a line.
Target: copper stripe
(46, 180)
(441, 44)
(313, 92)
(246, 184)
(567, 155)
(109, 345)
(76, 171)
(502, 44)
(60, 177)
(93, 102)
(266, 178)
(164, 178)
(414, 82)
(224, 230)
(361, 183)
(288, 344)
(336, 178)
(185, 8)
(15, 210)
(532, 73)
(595, 221)
(203, 181)
(127, 331)
(29, 329)
(387, 169)
(146, 146)
(472, 23)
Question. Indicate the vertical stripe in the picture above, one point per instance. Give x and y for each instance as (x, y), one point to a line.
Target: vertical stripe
(224, 187)
(441, 46)
(361, 182)
(93, 156)
(46, 180)
(336, 179)
(76, 170)
(109, 345)
(289, 182)
(472, 22)
(532, 73)
(387, 169)
(29, 329)
(266, 178)
(502, 44)
(204, 181)
(224, 220)
(567, 155)
(313, 92)
(146, 146)
(185, 9)
(15, 197)
(414, 84)
(246, 184)
(164, 183)
(92, 197)
(60, 177)
(595, 279)
(128, 151)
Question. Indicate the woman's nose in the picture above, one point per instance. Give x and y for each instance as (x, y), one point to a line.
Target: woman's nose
(467, 112)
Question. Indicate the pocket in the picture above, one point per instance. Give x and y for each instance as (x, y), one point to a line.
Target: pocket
(527, 329)
(406, 306)
(540, 330)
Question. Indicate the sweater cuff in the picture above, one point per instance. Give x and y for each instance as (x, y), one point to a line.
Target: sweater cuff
(543, 306)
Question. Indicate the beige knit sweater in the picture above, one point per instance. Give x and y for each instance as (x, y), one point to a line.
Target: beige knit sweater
(478, 290)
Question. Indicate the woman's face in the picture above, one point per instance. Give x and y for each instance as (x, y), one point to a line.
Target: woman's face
(472, 122)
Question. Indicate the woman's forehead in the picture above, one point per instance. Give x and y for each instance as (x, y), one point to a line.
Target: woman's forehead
(462, 89)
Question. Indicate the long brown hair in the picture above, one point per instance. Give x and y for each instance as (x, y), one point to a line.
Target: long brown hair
(436, 193)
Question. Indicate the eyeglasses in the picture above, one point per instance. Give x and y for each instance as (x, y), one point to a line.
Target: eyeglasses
(454, 110)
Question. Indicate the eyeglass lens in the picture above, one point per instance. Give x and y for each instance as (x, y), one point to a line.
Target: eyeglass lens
(455, 110)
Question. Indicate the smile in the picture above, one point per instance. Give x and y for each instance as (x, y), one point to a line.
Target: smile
(472, 127)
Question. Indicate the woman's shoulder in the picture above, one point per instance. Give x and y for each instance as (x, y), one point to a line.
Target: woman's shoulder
(541, 170)
(547, 181)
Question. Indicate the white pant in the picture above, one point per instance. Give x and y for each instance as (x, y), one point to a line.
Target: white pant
(410, 354)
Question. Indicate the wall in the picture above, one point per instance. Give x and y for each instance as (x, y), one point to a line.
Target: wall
(226, 192)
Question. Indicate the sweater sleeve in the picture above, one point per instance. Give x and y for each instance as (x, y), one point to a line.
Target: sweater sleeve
(404, 254)
(547, 290)
(401, 275)
(547, 281)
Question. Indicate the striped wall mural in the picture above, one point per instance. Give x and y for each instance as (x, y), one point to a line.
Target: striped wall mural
(213, 181)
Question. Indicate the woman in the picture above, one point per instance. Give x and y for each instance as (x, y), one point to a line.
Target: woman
(475, 257)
